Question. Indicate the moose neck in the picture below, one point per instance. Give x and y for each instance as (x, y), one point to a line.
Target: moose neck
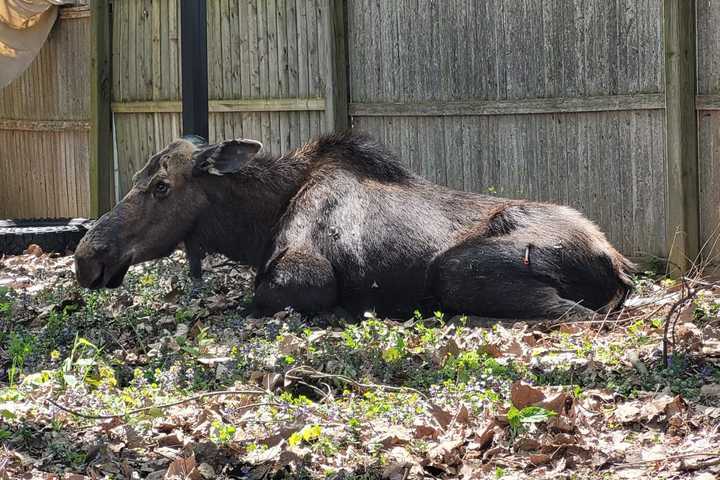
(245, 207)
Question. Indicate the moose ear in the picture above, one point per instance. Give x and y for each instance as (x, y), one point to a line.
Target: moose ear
(224, 158)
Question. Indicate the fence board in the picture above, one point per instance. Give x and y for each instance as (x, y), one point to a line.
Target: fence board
(707, 104)
(44, 128)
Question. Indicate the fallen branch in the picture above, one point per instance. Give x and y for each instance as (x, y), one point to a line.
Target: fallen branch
(165, 405)
(672, 457)
(700, 464)
(311, 372)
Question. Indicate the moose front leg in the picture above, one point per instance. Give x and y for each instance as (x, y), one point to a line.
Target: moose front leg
(298, 279)
(195, 256)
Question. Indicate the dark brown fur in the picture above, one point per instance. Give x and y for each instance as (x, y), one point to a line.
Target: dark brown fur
(340, 222)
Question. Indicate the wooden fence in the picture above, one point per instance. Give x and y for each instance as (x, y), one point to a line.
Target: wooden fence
(45, 125)
(556, 101)
(269, 62)
(581, 102)
(708, 117)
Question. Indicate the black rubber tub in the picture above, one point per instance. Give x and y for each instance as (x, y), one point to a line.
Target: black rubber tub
(59, 235)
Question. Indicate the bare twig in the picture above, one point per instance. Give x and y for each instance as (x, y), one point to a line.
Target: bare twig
(165, 405)
(311, 372)
(671, 320)
(672, 457)
(700, 464)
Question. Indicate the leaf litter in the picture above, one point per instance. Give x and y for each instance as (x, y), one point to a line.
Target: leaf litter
(147, 381)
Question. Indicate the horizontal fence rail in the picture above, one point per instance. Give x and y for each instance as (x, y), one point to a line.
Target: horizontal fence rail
(653, 101)
(44, 125)
(219, 106)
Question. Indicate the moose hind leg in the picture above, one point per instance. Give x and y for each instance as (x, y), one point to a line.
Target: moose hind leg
(297, 279)
(490, 278)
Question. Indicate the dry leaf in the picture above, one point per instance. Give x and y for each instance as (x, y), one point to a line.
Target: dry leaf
(485, 436)
(526, 444)
(398, 436)
(559, 402)
(174, 439)
(523, 394)
(442, 416)
(183, 469)
(426, 431)
(539, 458)
(676, 406)
(689, 336)
(448, 348)
(628, 412)
(34, 249)
(710, 390)
(444, 452)
(290, 344)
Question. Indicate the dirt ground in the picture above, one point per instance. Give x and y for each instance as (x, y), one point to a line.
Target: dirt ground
(148, 382)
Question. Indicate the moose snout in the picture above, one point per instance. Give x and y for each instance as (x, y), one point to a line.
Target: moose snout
(89, 264)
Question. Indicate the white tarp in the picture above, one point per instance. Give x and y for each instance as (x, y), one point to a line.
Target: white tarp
(24, 27)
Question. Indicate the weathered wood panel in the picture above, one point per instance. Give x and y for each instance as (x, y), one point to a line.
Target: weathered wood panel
(44, 128)
(709, 176)
(605, 165)
(495, 96)
(268, 63)
(708, 89)
(413, 50)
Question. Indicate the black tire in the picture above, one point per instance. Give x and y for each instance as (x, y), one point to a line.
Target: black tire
(52, 235)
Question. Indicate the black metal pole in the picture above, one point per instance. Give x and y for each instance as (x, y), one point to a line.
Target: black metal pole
(193, 43)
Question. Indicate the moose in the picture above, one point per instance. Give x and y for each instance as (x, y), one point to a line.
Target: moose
(340, 222)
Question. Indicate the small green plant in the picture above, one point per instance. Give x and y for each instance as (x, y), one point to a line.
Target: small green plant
(308, 434)
(200, 346)
(519, 419)
(6, 302)
(82, 360)
(300, 400)
(705, 307)
(462, 367)
(67, 454)
(429, 336)
(636, 332)
(222, 433)
(19, 348)
(183, 315)
(148, 280)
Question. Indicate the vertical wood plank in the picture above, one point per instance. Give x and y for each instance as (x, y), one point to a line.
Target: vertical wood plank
(336, 93)
(682, 203)
(102, 195)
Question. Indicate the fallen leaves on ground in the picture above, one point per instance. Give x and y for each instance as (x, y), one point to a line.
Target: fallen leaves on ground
(329, 396)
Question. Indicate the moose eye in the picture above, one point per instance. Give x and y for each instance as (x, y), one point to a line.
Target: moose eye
(161, 188)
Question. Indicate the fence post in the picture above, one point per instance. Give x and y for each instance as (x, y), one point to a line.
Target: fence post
(102, 182)
(336, 87)
(681, 157)
(193, 50)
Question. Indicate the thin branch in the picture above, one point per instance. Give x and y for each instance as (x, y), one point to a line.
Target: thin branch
(672, 457)
(318, 374)
(164, 405)
(700, 464)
